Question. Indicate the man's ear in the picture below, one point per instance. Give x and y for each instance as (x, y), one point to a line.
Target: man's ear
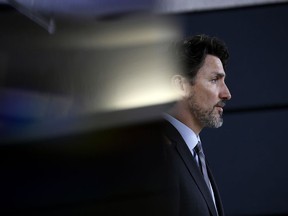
(180, 84)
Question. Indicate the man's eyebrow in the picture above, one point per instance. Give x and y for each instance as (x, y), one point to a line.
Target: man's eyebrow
(219, 74)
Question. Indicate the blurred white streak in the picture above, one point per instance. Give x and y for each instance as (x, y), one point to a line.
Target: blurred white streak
(46, 23)
(136, 71)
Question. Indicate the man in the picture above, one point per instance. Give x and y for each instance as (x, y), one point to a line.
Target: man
(203, 92)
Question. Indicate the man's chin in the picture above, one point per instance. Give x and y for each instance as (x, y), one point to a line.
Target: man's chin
(216, 122)
(219, 124)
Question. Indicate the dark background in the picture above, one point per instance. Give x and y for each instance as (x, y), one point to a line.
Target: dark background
(247, 154)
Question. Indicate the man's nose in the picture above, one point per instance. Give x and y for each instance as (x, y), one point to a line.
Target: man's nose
(225, 93)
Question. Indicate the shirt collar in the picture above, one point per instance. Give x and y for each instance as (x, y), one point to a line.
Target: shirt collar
(190, 138)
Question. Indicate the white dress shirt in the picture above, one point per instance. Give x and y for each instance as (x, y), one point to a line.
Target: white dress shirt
(190, 138)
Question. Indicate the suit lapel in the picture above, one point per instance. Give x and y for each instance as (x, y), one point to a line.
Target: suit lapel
(191, 165)
(216, 192)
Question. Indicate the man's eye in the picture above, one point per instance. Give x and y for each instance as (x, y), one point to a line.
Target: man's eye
(214, 80)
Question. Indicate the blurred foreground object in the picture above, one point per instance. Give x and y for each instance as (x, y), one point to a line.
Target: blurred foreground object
(78, 116)
(85, 68)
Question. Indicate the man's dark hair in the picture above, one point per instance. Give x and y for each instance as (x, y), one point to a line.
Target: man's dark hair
(192, 51)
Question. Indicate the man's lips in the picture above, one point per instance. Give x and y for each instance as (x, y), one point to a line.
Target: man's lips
(220, 104)
(220, 108)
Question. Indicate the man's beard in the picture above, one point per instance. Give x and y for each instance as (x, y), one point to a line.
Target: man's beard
(207, 118)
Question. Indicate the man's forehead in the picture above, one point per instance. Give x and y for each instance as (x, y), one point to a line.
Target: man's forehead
(213, 60)
(212, 65)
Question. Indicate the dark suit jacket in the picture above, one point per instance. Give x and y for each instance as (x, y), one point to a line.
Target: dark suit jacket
(189, 193)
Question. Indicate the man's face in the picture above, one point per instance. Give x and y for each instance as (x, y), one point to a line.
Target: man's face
(207, 95)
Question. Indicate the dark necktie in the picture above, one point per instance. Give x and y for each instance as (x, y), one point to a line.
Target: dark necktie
(202, 164)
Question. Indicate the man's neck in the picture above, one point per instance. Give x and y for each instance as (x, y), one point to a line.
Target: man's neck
(181, 112)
